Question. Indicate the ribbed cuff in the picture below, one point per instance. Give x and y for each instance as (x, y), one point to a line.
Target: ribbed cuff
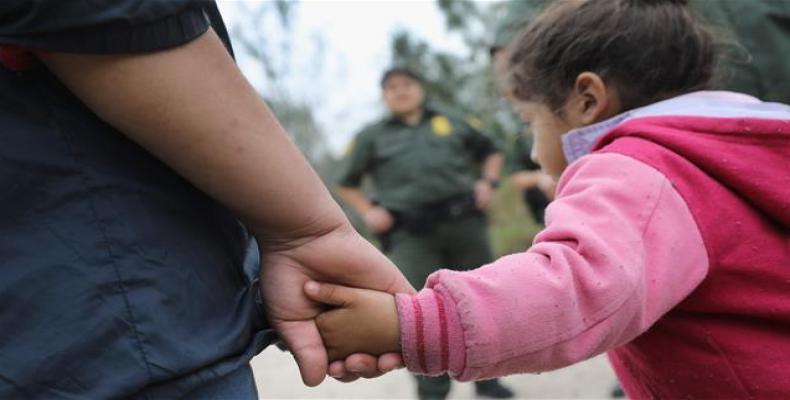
(432, 339)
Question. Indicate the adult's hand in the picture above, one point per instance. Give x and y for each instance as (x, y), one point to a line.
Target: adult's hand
(364, 366)
(484, 192)
(340, 256)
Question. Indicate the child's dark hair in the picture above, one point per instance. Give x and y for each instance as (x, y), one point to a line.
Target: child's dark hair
(648, 49)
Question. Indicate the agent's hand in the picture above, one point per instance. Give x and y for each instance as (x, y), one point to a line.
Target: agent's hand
(340, 256)
(378, 220)
(362, 321)
(484, 192)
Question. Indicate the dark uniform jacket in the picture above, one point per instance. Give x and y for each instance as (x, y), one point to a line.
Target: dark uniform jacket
(118, 278)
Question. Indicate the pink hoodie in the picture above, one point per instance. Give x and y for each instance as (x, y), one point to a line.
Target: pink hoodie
(632, 259)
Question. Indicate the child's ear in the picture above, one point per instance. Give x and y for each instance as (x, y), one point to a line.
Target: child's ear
(595, 101)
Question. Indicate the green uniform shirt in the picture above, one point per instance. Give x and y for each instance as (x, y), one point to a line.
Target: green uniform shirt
(415, 165)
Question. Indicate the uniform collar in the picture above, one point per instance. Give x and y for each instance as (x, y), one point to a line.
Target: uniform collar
(579, 142)
(427, 113)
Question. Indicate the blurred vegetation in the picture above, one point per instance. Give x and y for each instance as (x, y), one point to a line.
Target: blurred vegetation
(463, 83)
(262, 33)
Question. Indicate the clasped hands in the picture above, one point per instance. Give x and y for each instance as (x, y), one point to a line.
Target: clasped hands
(354, 329)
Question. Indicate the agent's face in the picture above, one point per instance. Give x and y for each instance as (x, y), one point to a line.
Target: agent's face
(402, 94)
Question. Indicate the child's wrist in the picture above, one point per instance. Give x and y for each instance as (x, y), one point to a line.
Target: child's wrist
(431, 333)
(394, 337)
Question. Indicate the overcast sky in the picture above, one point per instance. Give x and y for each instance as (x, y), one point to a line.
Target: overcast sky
(343, 84)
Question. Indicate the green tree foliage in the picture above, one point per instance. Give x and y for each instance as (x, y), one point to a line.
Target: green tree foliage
(464, 83)
(262, 33)
(299, 122)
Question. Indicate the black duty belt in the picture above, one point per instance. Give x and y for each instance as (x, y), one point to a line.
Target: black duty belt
(424, 219)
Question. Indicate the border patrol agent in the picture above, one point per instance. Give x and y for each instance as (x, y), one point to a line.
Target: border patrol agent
(434, 175)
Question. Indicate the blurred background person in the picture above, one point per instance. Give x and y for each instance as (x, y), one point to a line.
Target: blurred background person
(434, 176)
(525, 174)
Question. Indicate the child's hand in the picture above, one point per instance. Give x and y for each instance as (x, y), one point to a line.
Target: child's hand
(362, 321)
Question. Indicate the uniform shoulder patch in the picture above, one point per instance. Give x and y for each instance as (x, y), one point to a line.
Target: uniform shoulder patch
(441, 126)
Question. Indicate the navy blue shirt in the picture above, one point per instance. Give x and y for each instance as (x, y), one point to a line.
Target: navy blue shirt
(118, 278)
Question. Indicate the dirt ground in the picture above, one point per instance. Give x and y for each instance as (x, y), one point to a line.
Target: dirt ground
(278, 378)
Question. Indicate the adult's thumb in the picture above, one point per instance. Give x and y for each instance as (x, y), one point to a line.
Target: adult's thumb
(305, 342)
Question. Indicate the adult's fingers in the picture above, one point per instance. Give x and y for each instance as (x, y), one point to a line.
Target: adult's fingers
(363, 365)
(305, 342)
(389, 362)
(337, 370)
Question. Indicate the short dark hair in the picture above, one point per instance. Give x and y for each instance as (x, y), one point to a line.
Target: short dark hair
(399, 70)
(648, 49)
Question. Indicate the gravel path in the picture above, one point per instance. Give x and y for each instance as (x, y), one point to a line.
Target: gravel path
(278, 378)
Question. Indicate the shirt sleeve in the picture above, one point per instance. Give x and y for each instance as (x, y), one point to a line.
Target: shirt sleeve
(357, 163)
(620, 249)
(102, 27)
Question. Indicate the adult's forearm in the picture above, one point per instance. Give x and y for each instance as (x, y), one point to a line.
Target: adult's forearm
(191, 107)
(492, 166)
(355, 197)
(525, 180)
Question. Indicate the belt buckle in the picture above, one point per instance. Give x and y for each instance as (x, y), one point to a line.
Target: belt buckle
(456, 210)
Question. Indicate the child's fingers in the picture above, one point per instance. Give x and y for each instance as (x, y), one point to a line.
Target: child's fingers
(326, 293)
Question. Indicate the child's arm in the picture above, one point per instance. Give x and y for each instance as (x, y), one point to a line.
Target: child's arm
(620, 250)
